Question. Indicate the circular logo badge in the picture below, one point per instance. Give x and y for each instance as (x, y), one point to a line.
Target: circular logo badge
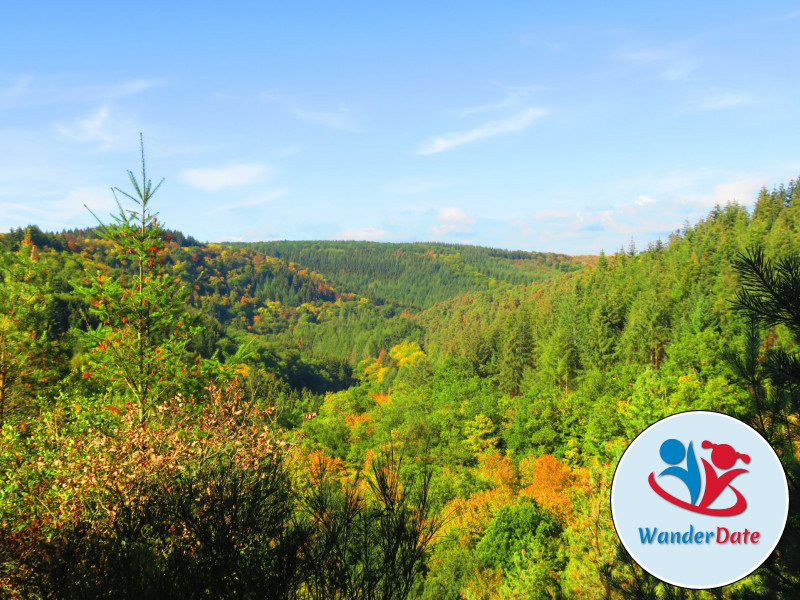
(699, 500)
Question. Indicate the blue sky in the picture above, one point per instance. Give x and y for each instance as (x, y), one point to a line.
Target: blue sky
(522, 125)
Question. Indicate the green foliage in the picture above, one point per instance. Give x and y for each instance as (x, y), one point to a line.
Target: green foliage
(516, 354)
(480, 434)
(419, 274)
(769, 299)
(475, 362)
(451, 569)
(197, 504)
(518, 529)
(525, 541)
(770, 293)
(631, 582)
(142, 325)
(371, 538)
(31, 347)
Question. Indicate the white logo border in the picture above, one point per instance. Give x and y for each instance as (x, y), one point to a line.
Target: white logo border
(614, 517)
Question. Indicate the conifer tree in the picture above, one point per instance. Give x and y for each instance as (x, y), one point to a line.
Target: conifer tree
(23, 338)
(770, 297)
(143, 327)
(516, 354)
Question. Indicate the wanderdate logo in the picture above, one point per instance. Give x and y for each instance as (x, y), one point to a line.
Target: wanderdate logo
(699, 499)
(723, 457)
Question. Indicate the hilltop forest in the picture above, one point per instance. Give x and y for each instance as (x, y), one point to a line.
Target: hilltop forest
(355, 420)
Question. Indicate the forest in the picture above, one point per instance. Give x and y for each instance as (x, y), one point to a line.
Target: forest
(360, 420)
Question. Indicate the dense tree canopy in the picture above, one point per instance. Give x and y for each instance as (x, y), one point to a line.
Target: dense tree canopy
(162, 400)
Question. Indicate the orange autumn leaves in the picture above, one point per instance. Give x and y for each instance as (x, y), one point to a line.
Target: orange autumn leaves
(99, 473)
(551, 483)
(556, 487)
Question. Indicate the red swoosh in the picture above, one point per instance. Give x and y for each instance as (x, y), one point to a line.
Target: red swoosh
(737, 508)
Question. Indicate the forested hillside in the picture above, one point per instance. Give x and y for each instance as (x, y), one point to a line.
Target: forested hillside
(421, 274)
(364, 420)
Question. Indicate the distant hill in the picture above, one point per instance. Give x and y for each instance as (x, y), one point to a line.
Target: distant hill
(304, 307)
(420, 274)
(514, 380)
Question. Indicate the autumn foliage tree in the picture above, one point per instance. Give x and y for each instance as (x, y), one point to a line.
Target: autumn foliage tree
(549, 482)
(197, 504)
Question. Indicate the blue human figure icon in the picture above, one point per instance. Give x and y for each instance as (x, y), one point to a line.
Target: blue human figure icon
(672, 452)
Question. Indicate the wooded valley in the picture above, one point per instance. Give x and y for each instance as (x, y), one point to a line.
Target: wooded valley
(370, 420)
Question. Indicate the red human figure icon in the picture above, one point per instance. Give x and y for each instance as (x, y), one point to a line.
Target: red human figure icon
(724, 457)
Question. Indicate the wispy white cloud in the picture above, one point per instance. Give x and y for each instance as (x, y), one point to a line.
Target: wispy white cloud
(14, 214)
(512, 100)
(591, 229)
(604, 217)
(100, 126)
(28, 91)
(340, 120)
(452, 219)
(25, 208)
(679, 69)
(656, 214)
(721, 101)
(644, 200)
(289, 150)
(13, 97)
(97, 199)
(369, 234)
(261, 233)
(449, 141)
(743, 191)
(539, 42)
(92, 128)
(702, 187)
(256, 201)
(453, 214)
(410, 186)
(670, 183)
(553, 214)
(213, 180)
(56, 211)
(671, 63)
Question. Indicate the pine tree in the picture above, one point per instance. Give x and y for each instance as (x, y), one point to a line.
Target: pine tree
(24, 347)
(516, 354)
(138, 347)
(559, 360)
(770, 297)
(602, 261)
